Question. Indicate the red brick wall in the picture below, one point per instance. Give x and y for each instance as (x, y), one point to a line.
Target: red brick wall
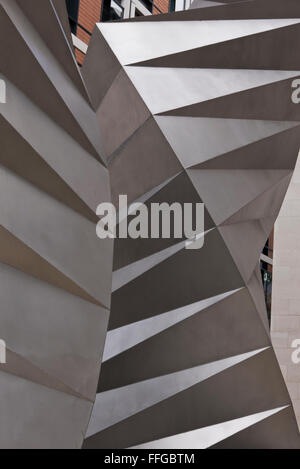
(163, 5)
(79, 56)
(89, 15)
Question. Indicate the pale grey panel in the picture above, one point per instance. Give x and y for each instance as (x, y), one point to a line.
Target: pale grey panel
(58, 332)
(225, 192)
(19, 366)
(244, 253)
(197, 139)
(35, 417)
(127, 274)
(265, 205)
(135, 42)
(87, 178)
(116, 405)
(73, 99)
(123, 338)
(209, 436)
(47, 227)
(164, 88)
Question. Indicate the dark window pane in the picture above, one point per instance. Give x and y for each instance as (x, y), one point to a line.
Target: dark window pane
(148, 4)
(172, 5)
(112, 10)
(73, 8)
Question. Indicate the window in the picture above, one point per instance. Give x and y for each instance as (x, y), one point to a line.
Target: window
(148, 4)
(112, 10)
(73, 8)
(172, 6)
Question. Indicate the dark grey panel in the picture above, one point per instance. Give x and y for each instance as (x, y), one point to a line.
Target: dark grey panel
(277, 432)
(43, 16)
(179, 188)
(258, 297)
(269, 102)
(256, 385)
(202, 338)
(45, 82)
(100, 68)
(116, 126)
(277, 152)
(148, 148)
(238, 143)
(62, 13)
(241, 53)
(183, 279)
(18, 156)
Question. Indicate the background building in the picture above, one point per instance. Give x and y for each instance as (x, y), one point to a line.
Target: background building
(285, 327)
(84, 14)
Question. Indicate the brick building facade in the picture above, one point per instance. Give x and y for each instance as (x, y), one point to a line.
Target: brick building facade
(86, 13)
(89, 14)
(163, 5)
